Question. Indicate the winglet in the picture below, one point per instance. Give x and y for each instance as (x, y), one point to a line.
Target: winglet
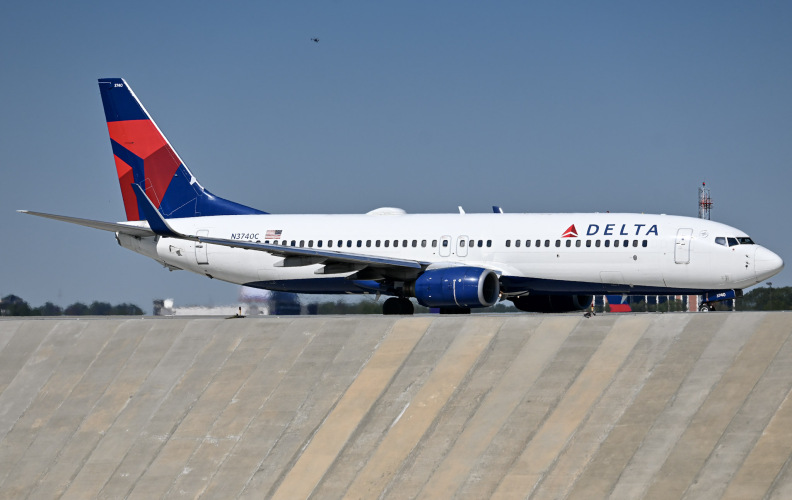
(155, 220)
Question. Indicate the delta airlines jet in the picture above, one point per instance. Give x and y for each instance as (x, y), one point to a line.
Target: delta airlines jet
(454, 262)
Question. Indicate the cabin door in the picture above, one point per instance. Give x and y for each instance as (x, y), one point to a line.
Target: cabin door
(201, 255)
(682, 246)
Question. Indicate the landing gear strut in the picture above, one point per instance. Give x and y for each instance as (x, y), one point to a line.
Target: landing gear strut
(398, 305)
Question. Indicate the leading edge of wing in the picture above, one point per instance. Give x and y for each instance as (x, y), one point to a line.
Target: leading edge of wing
(312, 256)
(95, 224)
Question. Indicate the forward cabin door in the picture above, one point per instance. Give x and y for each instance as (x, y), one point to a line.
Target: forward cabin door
(201, 256)
(682, 246)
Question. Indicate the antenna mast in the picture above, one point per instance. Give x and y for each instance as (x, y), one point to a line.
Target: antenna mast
(704, 202)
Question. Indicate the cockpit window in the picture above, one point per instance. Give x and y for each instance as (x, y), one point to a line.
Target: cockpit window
(746, 241)
(733, 242)
(720, 240)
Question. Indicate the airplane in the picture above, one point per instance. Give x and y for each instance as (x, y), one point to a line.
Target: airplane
(541, 262)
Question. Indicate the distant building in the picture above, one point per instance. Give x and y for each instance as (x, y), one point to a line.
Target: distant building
(252, 302)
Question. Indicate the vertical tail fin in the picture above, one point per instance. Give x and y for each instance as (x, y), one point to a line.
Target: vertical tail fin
(143, 156)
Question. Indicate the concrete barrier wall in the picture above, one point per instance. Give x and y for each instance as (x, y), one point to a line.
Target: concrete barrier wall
(541, 406)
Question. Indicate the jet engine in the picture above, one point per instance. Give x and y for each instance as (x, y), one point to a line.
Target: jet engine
(462, 287)
(552, 303)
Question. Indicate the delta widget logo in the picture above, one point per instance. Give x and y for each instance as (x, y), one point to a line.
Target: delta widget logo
(571, 232)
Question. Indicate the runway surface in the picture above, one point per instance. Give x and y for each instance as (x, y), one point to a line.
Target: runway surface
(680, 405)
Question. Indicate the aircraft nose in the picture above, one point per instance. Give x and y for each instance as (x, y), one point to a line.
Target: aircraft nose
(767, 264)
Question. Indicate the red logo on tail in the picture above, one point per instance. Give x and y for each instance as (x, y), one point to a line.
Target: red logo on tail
(571, 232)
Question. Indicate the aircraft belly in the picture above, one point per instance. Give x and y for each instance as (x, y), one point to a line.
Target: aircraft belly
(630, 268)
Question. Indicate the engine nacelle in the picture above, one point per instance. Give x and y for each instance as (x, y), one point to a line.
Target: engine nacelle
(552, 303)
(457, 287)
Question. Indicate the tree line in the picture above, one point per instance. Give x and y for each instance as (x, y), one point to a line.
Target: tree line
(758, 299)
(11, 305)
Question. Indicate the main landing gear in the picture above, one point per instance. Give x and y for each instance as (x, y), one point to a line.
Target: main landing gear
(398, 305)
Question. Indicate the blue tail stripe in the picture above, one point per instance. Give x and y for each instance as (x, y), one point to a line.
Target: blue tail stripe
(118, 101)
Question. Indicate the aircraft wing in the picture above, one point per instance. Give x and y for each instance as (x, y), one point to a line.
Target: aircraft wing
(296, 256)
(96, 224)
(293, 256)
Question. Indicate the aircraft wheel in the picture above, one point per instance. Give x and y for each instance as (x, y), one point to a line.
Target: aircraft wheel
(706, 307)
(398, 305)
(454, 310)
(391, 306)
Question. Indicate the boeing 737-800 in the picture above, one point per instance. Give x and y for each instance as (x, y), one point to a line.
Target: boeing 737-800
(541, 262)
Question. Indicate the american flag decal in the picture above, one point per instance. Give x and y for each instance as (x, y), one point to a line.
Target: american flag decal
(273, 234)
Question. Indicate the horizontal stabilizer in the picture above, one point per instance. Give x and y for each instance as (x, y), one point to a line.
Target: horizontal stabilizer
(96, 224)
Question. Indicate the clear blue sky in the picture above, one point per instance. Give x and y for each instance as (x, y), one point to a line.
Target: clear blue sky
(535, 106)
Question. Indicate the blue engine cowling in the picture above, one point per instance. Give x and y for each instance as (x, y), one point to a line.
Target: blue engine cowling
(457, 287)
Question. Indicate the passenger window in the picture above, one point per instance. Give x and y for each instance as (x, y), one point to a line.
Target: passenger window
(423, 243)
(310, 243)
(340, 243)
(445, 243)
(349, 243)
(415, 243)
(434, 243)
(462, 243)
(508, 243)
(547, 243)
(359, 243)
(645, 243)
(489, 243)
(597, 243)
(329, 243)
(294, 243)
(395, 243)
(588, 243)
(480, 243)
(368, 243)
(387, 243)
(578, 243)
(404, 243)
(527, 243)
(517, 243)
(615, 244)
(733, 242)
(319, 243)
(558, 243)
(377, 243)
(569, 243)
(635, 243)
(607, 243)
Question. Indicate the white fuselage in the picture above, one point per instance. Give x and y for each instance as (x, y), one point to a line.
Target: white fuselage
(551, 253)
